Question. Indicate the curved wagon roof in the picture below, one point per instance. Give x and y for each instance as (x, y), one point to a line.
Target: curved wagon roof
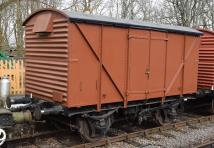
(103, 20)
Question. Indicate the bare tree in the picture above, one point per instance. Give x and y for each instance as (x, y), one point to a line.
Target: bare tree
(5, 3)
(183, 12)
(208, 17)
(86, 6)
(18, 30)
(13, 13)
(5, 16)
(193, 13)
(128, 9)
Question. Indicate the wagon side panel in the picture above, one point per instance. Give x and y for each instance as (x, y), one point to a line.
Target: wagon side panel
(190, 64)
(138, 64)
(84, 64)
(114, 64)
(175, 49)
(157, 66)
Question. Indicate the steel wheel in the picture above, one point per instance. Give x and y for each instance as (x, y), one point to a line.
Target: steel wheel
(212, 106)
(180, 108)
(159, 117)
(87, 132)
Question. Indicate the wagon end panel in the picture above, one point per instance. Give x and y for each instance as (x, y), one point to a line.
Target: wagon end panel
(206, 61)
(46, 36)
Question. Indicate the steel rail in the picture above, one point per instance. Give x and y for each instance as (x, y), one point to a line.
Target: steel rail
(127, 136)
(205, 143)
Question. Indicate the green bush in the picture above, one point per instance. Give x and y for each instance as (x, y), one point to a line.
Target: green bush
(3, 55)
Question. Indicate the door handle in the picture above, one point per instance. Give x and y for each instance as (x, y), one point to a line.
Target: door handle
(147, 72)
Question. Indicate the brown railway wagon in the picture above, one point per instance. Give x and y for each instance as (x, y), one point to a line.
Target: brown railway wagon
(206, 60)
(80, 60)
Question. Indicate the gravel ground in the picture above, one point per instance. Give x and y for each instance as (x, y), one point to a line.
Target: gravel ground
(58, 141)
(183, 137)
(179, 137)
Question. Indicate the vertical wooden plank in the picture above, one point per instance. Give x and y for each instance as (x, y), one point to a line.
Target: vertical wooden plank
(183, 60)
(13, 74)
(21, 76)
(165, 69)
(100, 71)
(10, 73)
(16, 76)
(14, 70)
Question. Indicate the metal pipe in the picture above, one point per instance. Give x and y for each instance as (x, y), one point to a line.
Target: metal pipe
(17, 100)
(20, 117)
(4, 90)
(53, 110)
(4, 87)
(98, 117)
(15, 107)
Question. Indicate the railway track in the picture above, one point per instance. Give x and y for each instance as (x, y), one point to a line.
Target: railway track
(40, 136)
(147, 134)
(47, 139)
(138, 138)
(208, 143)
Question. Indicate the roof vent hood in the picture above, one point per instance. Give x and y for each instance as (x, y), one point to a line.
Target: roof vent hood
(43, 24)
